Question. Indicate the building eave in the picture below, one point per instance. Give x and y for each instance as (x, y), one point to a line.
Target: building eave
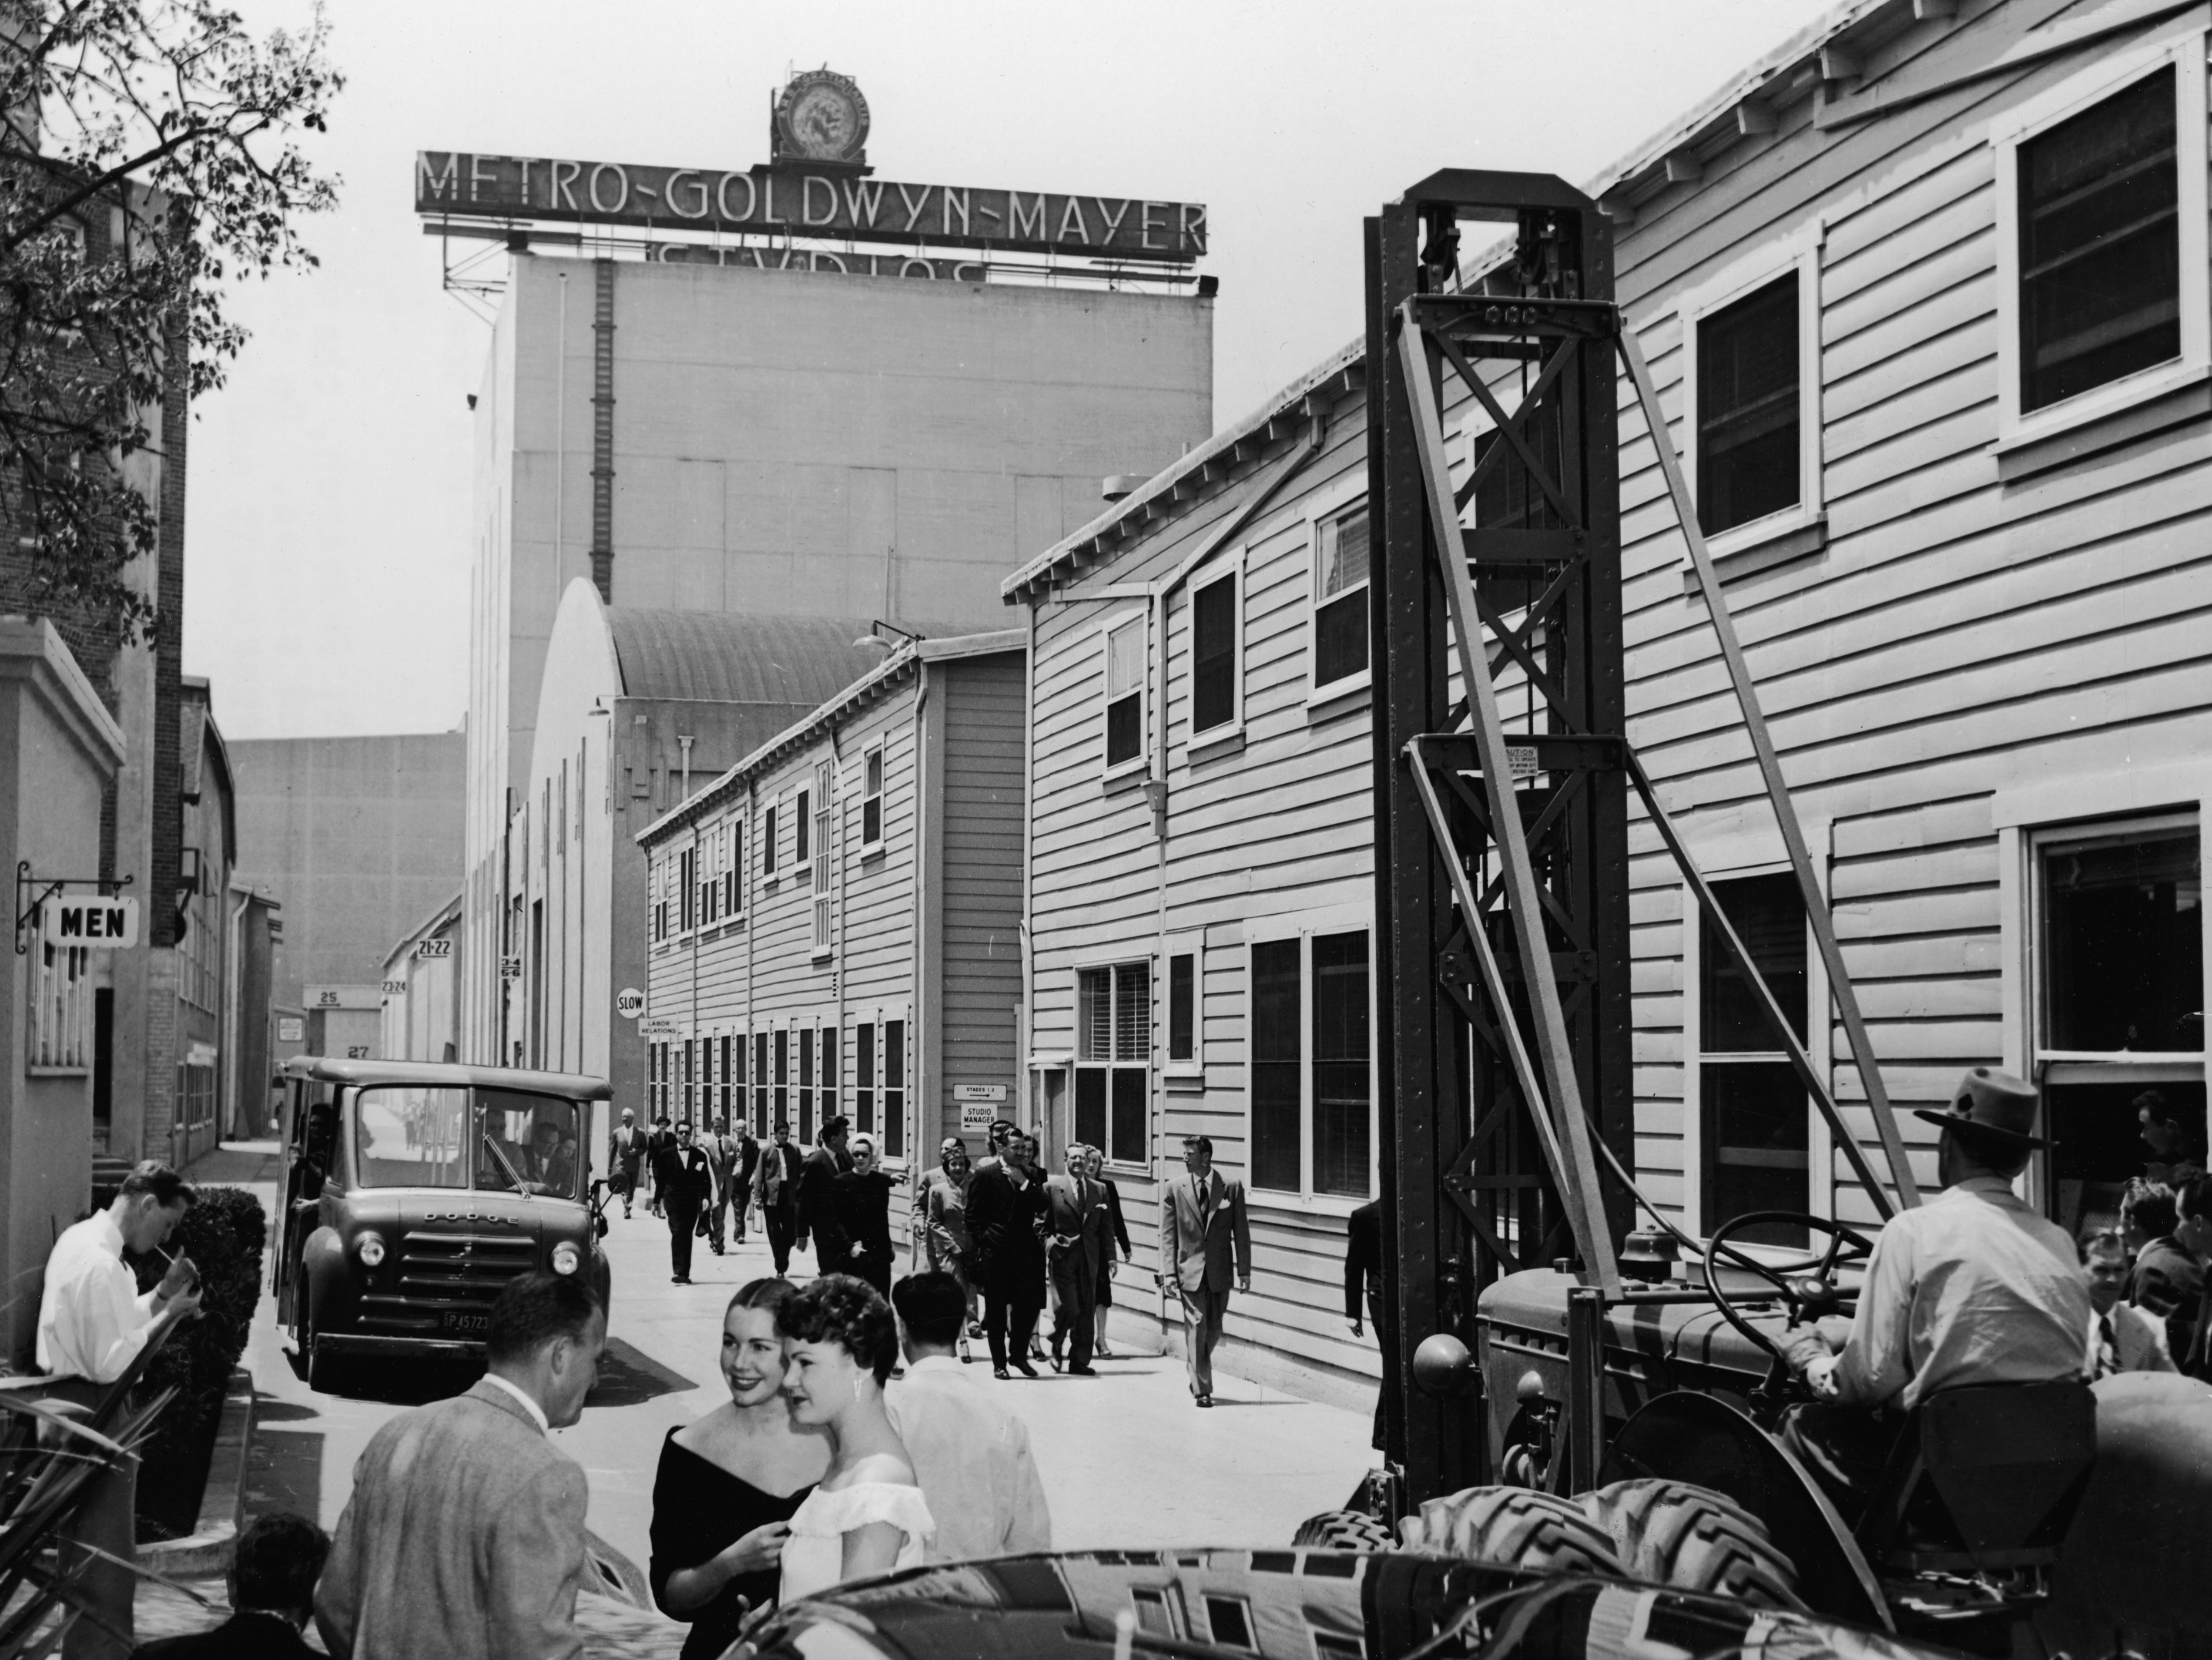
(1173, 491)
(902, 665)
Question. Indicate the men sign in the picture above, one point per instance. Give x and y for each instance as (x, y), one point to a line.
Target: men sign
(100, 924)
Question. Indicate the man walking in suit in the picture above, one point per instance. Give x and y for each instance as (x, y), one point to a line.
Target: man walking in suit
(684, 1180)
(1076, 1218)
(1006, 1217)
(657, 1144)
(626, 1157)
(1363, 1278)
(776, 1187)
(721, 1150)
(464, 1534)
(1201, 1220)
(818, 1216)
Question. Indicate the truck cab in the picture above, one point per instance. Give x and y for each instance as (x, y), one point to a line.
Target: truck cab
(414, 1192)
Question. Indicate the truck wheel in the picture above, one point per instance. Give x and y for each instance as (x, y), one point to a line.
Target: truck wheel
(1345, 1530)
(322, 1365)
(1694, 1539)
(1514, 1528)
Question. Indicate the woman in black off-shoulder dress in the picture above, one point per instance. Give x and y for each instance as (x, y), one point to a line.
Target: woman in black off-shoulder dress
(728, 1484)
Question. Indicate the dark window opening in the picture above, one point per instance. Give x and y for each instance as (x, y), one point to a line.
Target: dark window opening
(1213, 655)
(1182, 1008)
(2099, 245)
(1747, 428)
(1756, 1123)
(1277, 1045)
(1342, 1154)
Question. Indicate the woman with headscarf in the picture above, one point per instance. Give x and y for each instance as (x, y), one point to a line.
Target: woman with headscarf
(939, 1230)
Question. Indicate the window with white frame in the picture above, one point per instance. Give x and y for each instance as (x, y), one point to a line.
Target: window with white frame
(894, 1089)
(1217, 702)
(872, 797)
(779, 1096)
(864, 1077)
(768, 843)
(1339, 603)
(734, 867)
(2117, 943)
(805, 1038)
(61, 1006)
(1124, 646)
(660, 918)
(764, 1113)
(1185, 955)
(2101, 247)
(687, 896)
(710, 878)
(802, 829)
(1751, 395)
(1312, 1068)
(1754, 1117)
(1748, 435)
(821, 853)
(1114, 1058)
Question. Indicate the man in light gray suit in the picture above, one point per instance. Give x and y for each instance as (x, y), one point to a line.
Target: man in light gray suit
(1201, 1219)
(464, 1534)
(1075, 1211)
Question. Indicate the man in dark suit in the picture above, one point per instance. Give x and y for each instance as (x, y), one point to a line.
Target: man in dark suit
(657, 1143)
(776, 1187)
(1075, 1223)
(1006, 1220)
(1202, 1222)
(1363, 1277)
(818, 1217)
(273, 1585)
(464, 1534)
(684, 1181)
(626, 1158)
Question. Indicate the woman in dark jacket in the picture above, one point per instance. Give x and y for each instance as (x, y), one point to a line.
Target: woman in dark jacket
(862, 1196)
(1005, 1222)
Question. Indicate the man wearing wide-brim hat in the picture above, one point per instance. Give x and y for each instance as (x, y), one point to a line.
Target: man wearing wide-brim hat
(1974, 1286)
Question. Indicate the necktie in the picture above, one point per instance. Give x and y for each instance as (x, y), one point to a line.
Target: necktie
(1198, 1197)
(2108, 1352)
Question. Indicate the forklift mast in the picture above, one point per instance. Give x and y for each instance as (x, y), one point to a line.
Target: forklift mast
(1502, 780)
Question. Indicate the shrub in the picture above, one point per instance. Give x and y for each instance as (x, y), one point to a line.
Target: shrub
(224, 1234)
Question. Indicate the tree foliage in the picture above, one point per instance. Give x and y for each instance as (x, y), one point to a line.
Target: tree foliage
(149, 155)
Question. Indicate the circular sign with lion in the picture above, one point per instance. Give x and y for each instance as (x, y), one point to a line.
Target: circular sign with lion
(821, 117)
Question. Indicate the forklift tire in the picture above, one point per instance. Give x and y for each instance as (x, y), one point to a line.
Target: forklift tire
(1345, 1530)
(1694, 1539)
(1514, 1528)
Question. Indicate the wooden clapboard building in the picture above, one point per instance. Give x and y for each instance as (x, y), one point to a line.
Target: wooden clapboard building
(1925, 294)
(834, 923)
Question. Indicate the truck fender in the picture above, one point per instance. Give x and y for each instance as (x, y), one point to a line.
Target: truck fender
(322, 1272)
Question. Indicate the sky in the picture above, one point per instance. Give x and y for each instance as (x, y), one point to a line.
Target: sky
(328, 509)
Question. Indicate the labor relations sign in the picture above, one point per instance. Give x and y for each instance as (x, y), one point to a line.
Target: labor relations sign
(794, 199)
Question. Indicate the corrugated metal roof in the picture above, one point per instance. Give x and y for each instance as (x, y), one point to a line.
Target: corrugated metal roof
(720, 656)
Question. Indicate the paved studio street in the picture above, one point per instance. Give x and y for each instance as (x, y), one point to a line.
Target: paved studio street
(1117, 1453)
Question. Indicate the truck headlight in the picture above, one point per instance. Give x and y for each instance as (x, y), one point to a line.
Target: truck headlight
(566, 1257)
(371, 1247)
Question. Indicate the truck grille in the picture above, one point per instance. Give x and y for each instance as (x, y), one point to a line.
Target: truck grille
(461, 1267)
(442, 1276)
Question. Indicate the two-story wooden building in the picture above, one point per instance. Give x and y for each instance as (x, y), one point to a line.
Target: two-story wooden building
(835, 922)
(1928, 299)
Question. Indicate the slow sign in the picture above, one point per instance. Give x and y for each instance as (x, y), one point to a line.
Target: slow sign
(630, 1002)
(100, 924)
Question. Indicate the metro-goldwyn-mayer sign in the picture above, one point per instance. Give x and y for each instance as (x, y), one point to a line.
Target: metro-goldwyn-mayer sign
(834, 203)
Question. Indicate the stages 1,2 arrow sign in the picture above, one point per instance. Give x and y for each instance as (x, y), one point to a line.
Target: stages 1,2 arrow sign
(100, 924)
(630, 1002)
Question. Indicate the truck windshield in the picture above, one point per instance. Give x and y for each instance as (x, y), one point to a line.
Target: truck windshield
(417, 1135)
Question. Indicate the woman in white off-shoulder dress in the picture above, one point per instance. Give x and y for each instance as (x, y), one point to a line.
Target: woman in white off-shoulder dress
(867, 1515)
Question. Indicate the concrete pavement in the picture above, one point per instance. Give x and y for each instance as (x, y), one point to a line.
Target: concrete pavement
(1128, 1461)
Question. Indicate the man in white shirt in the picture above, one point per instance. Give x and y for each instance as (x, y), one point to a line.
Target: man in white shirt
(94, 1323)
(1975, 1287)
(970, 1454)
(93, 1319)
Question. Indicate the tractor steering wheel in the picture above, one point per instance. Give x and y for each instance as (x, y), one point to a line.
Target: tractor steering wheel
(1811, 1291)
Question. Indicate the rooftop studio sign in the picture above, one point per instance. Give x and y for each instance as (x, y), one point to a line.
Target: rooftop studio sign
(793, 199)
